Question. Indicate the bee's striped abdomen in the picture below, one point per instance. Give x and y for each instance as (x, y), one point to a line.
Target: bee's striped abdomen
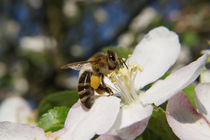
(85, 91)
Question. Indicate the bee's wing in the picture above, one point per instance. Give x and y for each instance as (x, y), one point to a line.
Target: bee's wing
(77, 65)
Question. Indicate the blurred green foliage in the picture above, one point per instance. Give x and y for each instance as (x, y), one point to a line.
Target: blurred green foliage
(159, 127)
(189, 91)
(6, 82)
(190, 38)
(63, 98)
(121, 52)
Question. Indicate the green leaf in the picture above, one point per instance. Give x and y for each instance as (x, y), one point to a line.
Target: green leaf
(64, 98)
(6, 81)
(162, 78)
(139, 138)
(150, 135)
(159, 125)
(54, 119)
(121, 52)
(208, 60)
(190, 38)
(189, 91)
(165, 75)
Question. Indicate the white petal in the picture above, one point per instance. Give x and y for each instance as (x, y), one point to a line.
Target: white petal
(83, 124)
(109, 83)
(15, 109)
(202, 99)
(156, 53)
(11, 131)
(205, 76)
(134, 113)
(207, 51)
(164, 89)
(184, 120)
(57, 133)
(129, 119)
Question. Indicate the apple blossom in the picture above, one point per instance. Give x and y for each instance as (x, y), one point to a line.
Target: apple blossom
(11, 131)
(186, 122)
(152, 57)
(15, 117)
(16, 109)
(136, 106)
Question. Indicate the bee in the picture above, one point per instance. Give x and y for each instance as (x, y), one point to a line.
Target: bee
(92, 80)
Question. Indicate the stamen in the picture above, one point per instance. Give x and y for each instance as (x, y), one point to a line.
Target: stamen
(132, 64)
(31, 120)
(48, 133)
(123, 59)
(56, 138)
(139, 68)
(124, 81)
(122, 89)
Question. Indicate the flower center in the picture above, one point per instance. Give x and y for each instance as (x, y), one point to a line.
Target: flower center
(48, 134)
(124, 82)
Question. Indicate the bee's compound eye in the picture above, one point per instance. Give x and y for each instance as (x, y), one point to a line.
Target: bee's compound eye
(111, 56)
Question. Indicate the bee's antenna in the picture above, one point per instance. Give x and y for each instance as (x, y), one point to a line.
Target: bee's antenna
(64, 67)
(122, 61)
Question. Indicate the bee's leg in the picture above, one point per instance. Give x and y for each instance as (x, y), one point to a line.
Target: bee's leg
(109, 91)
(104, 88)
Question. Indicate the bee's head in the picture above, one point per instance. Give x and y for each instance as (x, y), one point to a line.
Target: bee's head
(113, 60)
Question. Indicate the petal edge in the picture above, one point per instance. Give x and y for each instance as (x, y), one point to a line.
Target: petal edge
(162, 90)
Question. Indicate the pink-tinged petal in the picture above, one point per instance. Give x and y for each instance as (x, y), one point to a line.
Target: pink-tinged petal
(202, 99)
(131, 121)
(57, 133)
(156, 53)
(162, 90)
(185, 121)
(131, 132)
(108, 137)
(82, 124)
(11, 131)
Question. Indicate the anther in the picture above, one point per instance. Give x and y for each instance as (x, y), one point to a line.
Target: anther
(139, 68)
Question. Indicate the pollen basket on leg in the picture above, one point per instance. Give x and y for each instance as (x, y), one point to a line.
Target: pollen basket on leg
(94, 81)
